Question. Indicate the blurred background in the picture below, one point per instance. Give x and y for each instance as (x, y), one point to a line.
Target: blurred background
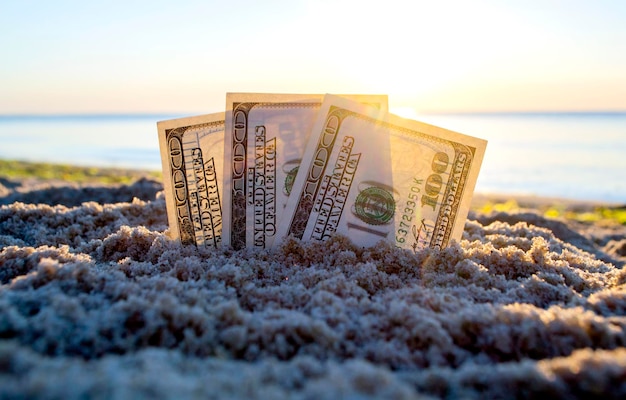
(543, 81)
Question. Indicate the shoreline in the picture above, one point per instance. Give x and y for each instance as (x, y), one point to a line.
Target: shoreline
(73, 186)
(49, 183)
(532, 201)
(26, 173)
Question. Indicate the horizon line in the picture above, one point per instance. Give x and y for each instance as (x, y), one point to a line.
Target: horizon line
(169, 114)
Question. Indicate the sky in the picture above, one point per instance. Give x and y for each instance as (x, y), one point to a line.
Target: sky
(73, 57)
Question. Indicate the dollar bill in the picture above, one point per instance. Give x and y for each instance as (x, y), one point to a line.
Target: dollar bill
(265, 137)
(373, 176)
(192, 157)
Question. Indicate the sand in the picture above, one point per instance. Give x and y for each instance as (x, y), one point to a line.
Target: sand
(97, 302)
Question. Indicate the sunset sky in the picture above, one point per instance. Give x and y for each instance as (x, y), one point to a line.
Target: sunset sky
(182, 57)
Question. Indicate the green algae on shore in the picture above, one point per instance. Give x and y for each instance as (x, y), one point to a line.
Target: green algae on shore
(15, 169)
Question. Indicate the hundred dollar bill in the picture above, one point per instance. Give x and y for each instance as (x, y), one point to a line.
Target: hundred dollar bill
(265, 137)
(373, 176)
(192, 157)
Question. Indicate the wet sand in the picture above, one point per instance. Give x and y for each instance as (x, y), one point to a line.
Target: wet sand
(97, 302)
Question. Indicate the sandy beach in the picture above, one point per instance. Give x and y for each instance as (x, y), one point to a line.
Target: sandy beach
(97, 302)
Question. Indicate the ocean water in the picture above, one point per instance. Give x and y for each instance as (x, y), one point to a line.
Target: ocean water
(573, 155)
(125, 141)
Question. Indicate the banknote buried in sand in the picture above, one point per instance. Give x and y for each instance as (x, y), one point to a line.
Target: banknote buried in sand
(274, 166)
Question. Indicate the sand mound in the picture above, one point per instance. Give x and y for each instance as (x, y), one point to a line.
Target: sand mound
(96, 302)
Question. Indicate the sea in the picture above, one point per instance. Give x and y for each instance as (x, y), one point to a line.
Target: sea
(579, 156)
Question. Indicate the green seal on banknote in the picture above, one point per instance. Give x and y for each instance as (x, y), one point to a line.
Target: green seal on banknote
(374, 206)
(290, 179)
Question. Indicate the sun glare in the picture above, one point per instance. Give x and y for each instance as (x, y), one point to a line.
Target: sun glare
(404, 49)
(428, 55)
